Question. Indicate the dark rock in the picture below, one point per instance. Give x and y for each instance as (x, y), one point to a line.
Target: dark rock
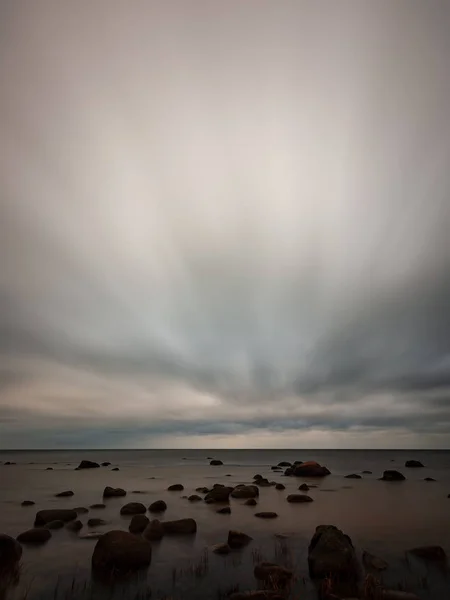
(96, 522)
(154, 530)
(266, 515)
(195, 498)
(133, 508)
(274, 574)
(218, 495)
(157, 506)
(81, 510)
(245, 491)
(180, 526)
(226, 510)
(110, 492)
(74, 525)
(10, 554)
(49, 469)
(298, 498)
(237, 539)
(218, 485)
(353, 476)
(221, 549)
(216, 463)
(87, 464)
(138, 523)
(284, 463)
(56, 514)
(263, 482)
(106, 464)
(289, 471)
(97, 506)
(55, 525)
(391, 475)
(430, 553)
(202, 490)
(250, 502)
(138, 492)
(120, 553)
(373, 563)
(280, 486)
(34, 536)
(66, 494)
(331, 555)
(429, 479)
(366, 472)
(413, 464)
(304, 487)
(258, 476)
(28, 503)
(115, 469)
(176, 487)
(310, 469)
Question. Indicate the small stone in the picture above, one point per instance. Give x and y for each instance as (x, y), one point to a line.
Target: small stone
(266, 515)
(87, 464)
(366, 472)
(226, 510)
(216, 463)
(115, 469)
(280, 486)
(28, 503)
(392, 475)
(250, 502)
(106, 464)
(176, 487)
(195, 498)
(353, 476)
(237, 539)
(429, 479)
(298, 498)
(413, 464)
(304, 487)
(110, 492)
(65, 494)
(284, 463)
(133, 508)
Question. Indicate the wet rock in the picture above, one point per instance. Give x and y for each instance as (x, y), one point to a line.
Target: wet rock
(226, 510)
(280, 486)
(304, 487)
(138, 523)
(55, 525)
(154, 530)
(49, 469)
(221, 549)
(392, 475)
(237, 539)
(331, 555)
(97, 506)
(266, 515)
(195, 498)
(28, 503)
(120, 553)
(81, 510)
(434, 554)
(56, 514)
(216, 463)
(415, 464)
(157, 506)
(110, 492)
(66, 494)
(74, 525)
(87, 464)
(96, 522)
(245, 491)
(176, 487)
(274, 574)
(373, 563)
(366, 472)
(115, 469)
(106, 464)
(10, 554)
(429, 479)
(250, 502)
(284, 463)
(180, 526)
(202, 490)
(34, 536)
(218, 495)
(353, 476)
(310, 469)
(133, 508)
(298, 498)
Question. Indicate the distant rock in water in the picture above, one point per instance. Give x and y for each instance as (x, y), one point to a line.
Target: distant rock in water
(366, 472)
(429, 479)
(105, 464)
(115, 469)
(65, 494)
(195, 498)
(10, 554)
(87, 464)
(49, 469)
(298, 498)
(34, 536)
(28, 503)
(218, 495)
(225, 510)
(280, 486)
(353, 476)
(55, 514)
(413, 464)
(157, 506)
(119, 553)
(392, 475)
(74, 526)
(133, 508)
(310, 469)
(176, 487)
(245, 491)
(110, 492)
(266, 515)
(216, 463)
(284, 463)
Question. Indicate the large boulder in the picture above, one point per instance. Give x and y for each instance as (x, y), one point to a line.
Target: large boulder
(39, 535)
(10, 554)
(180, 526)
(245, 491)
(157, 506)
(298, 498)
(154, 530)
(87, 464)
(218, 494)
(133, 508)
(237, 539)
(415, 464)
(310, 469)
(138, 523)
(120, 553)
(392, 475)
(331, 556)
(55, 514)
(110, 492)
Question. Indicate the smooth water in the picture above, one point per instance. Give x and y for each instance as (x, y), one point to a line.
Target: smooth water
(384, 518)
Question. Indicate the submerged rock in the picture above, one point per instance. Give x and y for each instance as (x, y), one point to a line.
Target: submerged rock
(237, 539)
(87, 464)
(298, 498)
(415, 464)
(392, 475)
(120, 553)
(353, 476)
(37, 535)
(157, 506)
(133, 508)
(110, 492)
(138, 523)
(56, 514)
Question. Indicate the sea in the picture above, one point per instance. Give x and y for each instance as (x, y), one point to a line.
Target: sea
(384, 518)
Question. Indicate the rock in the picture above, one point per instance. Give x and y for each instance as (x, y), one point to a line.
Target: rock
(250, 502)
(218, 485)
(154, 530)
(430, 553)
(275, 468)
(218, 495)
(289, 471)
(226, 510)
(258, 476)
(120, 553)
(374, 563)
(92, 535)
(202, 490)
(237, 539)
(284, 463)
(266, 515)
(49, 469)
(413, 464)
(245, 491)
(106, 464)
(56, 514)
(34, 536)
(138, 492)
(353, 476)
(298, 498)
(280, 486)
(304, 487)
(195, 498)
(429, 479)
(263, 482)
(74, 525)
(110, 492)
(115, 469)
(391, 475)
(216, 463)
(271, 573)
(180, 526)
(257, 595)
(366, 472)
(331, 555)
(133, 508)
(96, 522)
(97, 506)
(87, 464)
(28, 503)
(10, 554)
(176, 487)
(138, 523)
(81, 510)
(221, 549)
(55, 525)
(157, 506)
(310, 469)
(65, 494)
(398, 595)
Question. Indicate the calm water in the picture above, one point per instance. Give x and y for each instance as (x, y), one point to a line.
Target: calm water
(384, 518)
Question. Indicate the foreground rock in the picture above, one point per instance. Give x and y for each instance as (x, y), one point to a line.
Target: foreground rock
(120, 553)
(57, 514)
(245, 491)
(310, 469)
(10, 554)
(415, 464)
(274, 574)
(373, 563)
(392, 475)
(331, 555)
(176, 487)
(237, 539)
(298, 498)
(138, 523)
(218, 495)
(434, 554)
(87, 464)
(221, 549)
(154, 531)
(133, 508)
(216, 463)
(180, 526)
(157, 506)
(34, 536)
(74, 525)
(110, 492)
(266, 515)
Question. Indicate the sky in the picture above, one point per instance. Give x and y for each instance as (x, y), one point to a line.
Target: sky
(225, 224)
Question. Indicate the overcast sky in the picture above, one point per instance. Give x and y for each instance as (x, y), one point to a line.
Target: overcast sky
(225, 224)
